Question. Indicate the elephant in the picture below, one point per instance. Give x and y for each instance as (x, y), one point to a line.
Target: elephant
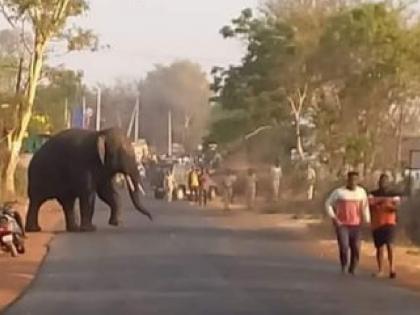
(80, 164)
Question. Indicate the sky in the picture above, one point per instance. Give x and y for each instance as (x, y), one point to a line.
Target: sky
(143, 33)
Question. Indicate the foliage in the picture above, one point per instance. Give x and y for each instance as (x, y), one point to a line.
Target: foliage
(373, 63)
(49, 21)
(342, 74)
(39, 124)
(61, 88)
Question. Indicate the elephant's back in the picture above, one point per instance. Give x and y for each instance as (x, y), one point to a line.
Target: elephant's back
(60, 157)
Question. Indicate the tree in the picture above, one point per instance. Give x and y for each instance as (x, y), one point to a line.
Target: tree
(274, 81)
(9, 66)
(11, 53)
(58, 92)
(369, 56)
(346, 72)
(48, 21)
(183, 89)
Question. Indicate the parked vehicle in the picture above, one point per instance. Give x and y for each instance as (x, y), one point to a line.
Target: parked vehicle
(11, 234)
(181, 173)
(157, 180)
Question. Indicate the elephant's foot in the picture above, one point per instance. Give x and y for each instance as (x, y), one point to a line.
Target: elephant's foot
(72, 228)
(114, 222)
(32, 228)
(88, 228)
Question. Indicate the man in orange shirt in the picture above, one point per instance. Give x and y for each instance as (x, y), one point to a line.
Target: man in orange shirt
(383, 207)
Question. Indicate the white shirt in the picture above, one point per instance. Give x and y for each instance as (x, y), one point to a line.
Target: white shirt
(276, 173)
(348, 205)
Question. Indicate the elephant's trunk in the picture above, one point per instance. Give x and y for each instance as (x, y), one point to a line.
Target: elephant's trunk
(134, 188)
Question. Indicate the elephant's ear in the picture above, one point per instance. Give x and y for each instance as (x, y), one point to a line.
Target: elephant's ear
(101, 148)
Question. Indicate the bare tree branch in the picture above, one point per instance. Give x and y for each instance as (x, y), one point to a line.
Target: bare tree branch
(23, 38)
(257, 131)
(8, 18)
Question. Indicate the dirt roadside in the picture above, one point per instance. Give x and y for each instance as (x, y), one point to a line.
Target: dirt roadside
(407, 257)
(16, 274)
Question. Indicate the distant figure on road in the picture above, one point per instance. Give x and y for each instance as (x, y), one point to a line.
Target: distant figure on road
(276, 174)
(251, 189)
(169, 185)
(204, 190)
(228, 183)
(383, 208)
(311, 180)
(347, 206)
(194, 184)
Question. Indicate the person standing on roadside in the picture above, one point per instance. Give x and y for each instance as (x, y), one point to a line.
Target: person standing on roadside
(194, 184)
(251, 189)
(228, 182)
(276, 174)
(169, 185)
(204, 179)
(383, 208)
(347, 207)
(311, 180)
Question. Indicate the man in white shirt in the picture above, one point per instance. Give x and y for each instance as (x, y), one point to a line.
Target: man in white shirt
(276, 174)
(347, 207)
(169, 183)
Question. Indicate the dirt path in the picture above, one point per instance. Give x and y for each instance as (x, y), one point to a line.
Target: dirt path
(16, 274)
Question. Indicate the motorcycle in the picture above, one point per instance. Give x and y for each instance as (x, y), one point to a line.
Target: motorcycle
(11, 235)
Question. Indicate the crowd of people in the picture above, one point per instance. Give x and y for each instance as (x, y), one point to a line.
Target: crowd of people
(275, 179)
(349, 207)
(198, 185)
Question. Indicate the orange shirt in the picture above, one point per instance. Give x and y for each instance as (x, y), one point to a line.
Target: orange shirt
(383, 210)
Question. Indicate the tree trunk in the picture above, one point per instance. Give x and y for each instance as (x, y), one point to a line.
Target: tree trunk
(25, 113)
(398, 150)
(297, 108)
(8, 178)
(299, 144)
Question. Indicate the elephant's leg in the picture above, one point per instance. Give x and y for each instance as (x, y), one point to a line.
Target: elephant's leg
(69, 215)
(108, 195)
(87, 208)
(32, 224)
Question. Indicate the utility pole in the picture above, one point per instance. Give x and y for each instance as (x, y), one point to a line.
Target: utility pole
(137, 120)
(169, 133)
(84, 112)
(132, 122)
(98, 109)
(66, 113)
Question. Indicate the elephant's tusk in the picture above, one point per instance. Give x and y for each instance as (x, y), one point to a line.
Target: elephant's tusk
(141, 189)
(130, 183)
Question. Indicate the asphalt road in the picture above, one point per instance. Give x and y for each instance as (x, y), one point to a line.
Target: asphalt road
(189, 263)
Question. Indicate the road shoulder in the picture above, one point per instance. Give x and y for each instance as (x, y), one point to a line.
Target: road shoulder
(18, 273)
